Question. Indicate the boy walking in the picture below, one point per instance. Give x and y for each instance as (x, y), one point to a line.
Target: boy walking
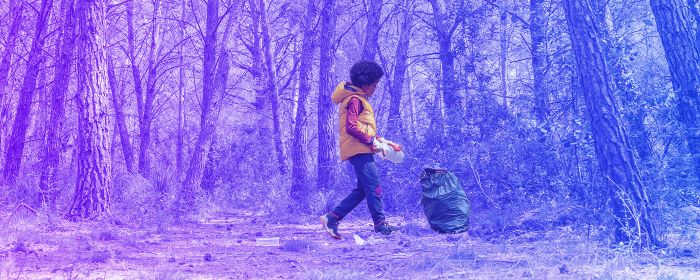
(358, 144)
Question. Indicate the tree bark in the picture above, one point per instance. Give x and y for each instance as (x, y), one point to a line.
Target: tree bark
(151, 79)
(135, 70)
(272, 91)
(15, 145)
(630, 204)
(48, 183)
(627, 88)
(94, 180)
(17, 14)
(539, 59)
(326, 138)
(683, 56)
(211, 85)
(395, 124)
(300, 189)
(119, 117)
(503, 59)
(371, 45)
(181, 100)
(450, 97)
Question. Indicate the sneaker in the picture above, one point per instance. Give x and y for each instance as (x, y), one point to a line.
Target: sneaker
(330, 224)
(384, 229)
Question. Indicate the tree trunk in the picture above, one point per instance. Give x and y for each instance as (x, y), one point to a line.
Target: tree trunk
(181, 100)
(371, 46)
(326, 138)
(539, 59)
(271, 88)
(262, 96)
(683, 55)
(119, 118)
(17, 14)
(151, 79)
(450, 97)
(193, 178)
(15, 145)
(395, 124)
(504, 55)
(627, 88)
(135, 70)
(94, 180)
(300, 181)
(630, 204)
(48, 183)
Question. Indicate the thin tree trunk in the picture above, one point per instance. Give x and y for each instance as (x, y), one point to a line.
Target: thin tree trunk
(503, 59)
(299, 190)
(539, 59)
(271, 88)
(450, 97)
(630, 204)
(94, 180)
(195, 172)
(48, 183)
(181, 101)
(135, 70)
(395, 123)
(15, 145)
(151, 79)
(119, 118)
(262, 99)
(545, 159)
(17, 15)
(371, 45)
(627, 88)
(326, 139)
(683, 55)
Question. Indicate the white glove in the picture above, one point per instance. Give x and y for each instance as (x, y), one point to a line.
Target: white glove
(379, 147)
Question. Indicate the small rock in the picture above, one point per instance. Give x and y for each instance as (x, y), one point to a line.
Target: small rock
(171, 259)
(452, 238)
(523, 264)
(527, 274)
(100, 256)
(563, 269)
(239, 241)
(258, 234)
(346, 250)
(208, 257)
(19, 247)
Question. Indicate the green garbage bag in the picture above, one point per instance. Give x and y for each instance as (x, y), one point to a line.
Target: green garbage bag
(445, 203)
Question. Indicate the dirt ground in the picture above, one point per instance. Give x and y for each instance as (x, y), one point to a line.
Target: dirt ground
(243, 246)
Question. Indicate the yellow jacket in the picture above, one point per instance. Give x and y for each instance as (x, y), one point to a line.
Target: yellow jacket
(349, 145)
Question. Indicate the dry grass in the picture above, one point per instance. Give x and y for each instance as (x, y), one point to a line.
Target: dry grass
(30, 248)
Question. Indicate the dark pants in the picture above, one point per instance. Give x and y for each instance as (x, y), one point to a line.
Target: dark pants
(367, 187)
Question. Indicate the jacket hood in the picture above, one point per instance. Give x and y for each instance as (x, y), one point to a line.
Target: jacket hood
(343, 90)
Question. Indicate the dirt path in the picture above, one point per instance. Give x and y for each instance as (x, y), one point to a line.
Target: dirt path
(227, 247)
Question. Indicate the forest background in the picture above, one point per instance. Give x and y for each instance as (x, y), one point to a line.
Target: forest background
(550, 112)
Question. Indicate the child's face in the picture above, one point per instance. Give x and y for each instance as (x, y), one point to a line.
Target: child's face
(370, 88)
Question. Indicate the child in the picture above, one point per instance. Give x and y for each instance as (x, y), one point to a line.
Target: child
(358, 144)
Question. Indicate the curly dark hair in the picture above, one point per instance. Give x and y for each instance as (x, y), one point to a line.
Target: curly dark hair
(365, 72)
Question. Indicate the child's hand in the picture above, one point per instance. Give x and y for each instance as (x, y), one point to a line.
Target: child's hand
(396, 147)
(379, 146)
